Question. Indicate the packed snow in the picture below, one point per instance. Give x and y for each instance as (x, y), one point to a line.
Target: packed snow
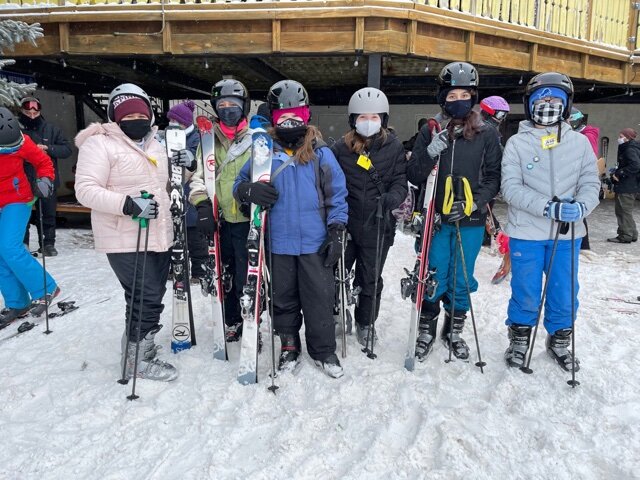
(63, 416)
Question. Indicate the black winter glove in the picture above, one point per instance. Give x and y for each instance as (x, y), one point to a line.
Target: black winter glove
(388, 202)
(258, 193)
(139, 207)
(332, 246)
(44, 187)
(457, 211)
(206, 223)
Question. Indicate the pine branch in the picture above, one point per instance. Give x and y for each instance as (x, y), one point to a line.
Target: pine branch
(11, 92)
(13, 32)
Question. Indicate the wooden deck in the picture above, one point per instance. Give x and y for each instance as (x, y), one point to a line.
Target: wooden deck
(593, 40)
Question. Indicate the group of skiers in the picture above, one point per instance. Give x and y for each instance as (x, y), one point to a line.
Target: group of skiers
(327, 202)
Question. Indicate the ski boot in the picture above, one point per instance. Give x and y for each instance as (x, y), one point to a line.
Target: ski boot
(234, 332)
(289, 352)
(149, 368)
(427, 329)
(348, 322)
(519, 338)
(331, 366)
(558, 349)
(9, 315)
(457, 344)
(39, 306)
(362, 334)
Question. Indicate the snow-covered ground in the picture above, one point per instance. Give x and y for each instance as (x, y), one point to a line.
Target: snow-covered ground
(63, 416)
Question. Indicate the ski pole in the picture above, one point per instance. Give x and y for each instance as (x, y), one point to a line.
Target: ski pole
(573, 382)
(343, 295)
(143, 223)
(124, 380)
(44, 267)
(479, 363)
(560, 227)
(453, 303)
(374, 307)
(187, 273)
(269, 288)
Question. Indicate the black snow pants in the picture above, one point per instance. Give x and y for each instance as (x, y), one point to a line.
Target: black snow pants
(155, 286)
(303, 286)
(233, 244)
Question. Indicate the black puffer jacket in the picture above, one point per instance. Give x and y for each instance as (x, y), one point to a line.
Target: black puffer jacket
(628, 171)
(389, 161)
(479, 160)
(45, 133)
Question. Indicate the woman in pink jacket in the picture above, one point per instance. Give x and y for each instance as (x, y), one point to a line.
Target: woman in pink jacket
(116, 161)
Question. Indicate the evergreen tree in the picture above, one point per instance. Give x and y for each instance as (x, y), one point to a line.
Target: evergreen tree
(11, 33)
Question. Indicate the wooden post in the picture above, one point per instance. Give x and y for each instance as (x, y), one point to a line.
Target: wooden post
(359, 39)
(633, 27)
(588, 36)
(533, 57)
(275, 35)
(471, 39)
(412, 36)
(63, 29)
(166, 38)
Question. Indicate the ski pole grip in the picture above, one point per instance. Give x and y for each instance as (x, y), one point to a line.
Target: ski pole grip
(144, 222)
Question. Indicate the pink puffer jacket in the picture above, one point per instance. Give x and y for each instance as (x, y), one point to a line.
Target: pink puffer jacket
(110, 167)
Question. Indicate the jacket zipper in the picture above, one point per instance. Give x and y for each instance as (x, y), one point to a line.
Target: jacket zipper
(553, 187)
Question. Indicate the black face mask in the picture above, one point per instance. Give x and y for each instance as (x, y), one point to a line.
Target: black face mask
(230, 116)
(29, 122)
(291, 132)
(458, 109)
(135, 129)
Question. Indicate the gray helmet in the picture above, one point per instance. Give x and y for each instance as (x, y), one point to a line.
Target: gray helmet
(128, 89)
(10, 134)
(368, 100)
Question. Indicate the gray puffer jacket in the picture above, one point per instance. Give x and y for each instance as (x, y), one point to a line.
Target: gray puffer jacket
(532, 175)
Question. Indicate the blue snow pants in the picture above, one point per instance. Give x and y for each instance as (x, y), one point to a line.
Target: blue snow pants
(21, 278)
(529, 260)
(441, 258)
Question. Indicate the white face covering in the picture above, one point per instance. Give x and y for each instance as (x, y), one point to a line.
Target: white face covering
(621, 140)
(368, 128)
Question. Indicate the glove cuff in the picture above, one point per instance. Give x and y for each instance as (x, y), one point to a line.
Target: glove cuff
(127, 208)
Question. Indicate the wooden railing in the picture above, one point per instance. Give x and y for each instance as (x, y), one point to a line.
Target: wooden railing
(606, 22)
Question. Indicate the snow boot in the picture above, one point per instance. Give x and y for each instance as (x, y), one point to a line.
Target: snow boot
(234, 332)
(9, 315)
(348, 322)
(39, 306)
(50, 251)
(427, 329)
(289, 352)
(558, 348)
(362, 334)
(149, 369)
(456, 343)
(331, 366)
(519, 338)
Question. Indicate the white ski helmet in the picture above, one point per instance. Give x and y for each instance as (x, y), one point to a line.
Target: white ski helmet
(128, 89)
(368, 100)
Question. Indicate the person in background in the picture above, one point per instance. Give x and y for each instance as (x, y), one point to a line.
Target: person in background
(408, 145)
(181, 116)
(578, 123)
(51, 141)
(626, 185)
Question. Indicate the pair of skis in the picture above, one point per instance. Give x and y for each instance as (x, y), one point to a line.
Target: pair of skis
(254, 291)
(182, 331)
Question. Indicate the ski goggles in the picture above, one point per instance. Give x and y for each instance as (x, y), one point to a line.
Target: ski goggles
(31, 105)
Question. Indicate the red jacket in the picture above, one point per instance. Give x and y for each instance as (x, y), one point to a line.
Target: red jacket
(14, 185)
(593, 135)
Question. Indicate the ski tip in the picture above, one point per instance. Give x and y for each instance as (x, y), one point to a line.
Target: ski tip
(204, 123)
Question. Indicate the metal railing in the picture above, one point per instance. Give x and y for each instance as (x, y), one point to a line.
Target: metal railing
(606, 22)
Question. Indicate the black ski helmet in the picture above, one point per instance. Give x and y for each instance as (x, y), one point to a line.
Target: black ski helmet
(229, 87)
(577, 120)
(10, 134)
(457, 75)
(549, 79)
(287, 94)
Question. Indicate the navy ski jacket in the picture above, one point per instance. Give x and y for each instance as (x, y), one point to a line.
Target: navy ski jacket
(298, 221)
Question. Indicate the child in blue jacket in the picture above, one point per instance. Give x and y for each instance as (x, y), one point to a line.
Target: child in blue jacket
(307, 219)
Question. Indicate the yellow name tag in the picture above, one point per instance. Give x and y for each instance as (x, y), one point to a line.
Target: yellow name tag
(364, 162)
(549, 141)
